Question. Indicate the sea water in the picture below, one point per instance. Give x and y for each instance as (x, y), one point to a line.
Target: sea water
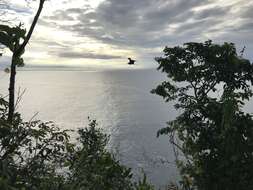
(120, 101)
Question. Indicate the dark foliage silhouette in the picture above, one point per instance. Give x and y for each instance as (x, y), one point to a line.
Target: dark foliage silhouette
(209, 83)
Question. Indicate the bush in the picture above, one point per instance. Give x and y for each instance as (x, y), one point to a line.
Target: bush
(93, 167)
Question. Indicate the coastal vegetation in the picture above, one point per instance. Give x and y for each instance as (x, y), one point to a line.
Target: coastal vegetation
(39, 155)
(210, 84)
(212, 137)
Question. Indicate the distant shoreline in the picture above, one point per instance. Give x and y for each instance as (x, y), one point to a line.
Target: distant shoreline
(82, 69)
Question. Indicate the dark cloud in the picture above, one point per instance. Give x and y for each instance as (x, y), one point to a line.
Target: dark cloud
(85, 55)
(156, 23)
(214, 12)
(128, 22)
(246, 27)
(50, 44)
(247, 12)
(141, 23)
(193, 28)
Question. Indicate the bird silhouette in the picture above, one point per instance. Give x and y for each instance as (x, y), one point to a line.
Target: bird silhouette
(131, 61)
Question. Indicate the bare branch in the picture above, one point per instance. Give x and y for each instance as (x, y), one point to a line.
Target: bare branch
(19, 97)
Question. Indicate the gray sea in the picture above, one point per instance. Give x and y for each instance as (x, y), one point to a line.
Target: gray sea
(120, 101)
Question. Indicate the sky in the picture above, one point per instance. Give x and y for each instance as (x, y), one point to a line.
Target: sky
(107, 32)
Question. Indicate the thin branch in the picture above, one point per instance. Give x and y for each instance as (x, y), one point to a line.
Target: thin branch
(29, 34)
(19, 98)
(176, 147)
(34, 115)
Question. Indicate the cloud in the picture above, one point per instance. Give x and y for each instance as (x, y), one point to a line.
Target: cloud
(128, 22)
(84, 55)
(59, 15)
(212, 12)
(145, 23)
(144, 26)
(10, 6)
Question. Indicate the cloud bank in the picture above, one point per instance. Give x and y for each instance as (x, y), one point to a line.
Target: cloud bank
(115, 29)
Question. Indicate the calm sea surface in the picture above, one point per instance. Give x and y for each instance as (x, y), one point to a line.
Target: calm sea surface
(121, 102)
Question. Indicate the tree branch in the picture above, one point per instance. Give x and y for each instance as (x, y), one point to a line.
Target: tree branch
(29, 34)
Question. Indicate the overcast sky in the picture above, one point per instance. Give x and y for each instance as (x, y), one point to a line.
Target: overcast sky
(106, 32)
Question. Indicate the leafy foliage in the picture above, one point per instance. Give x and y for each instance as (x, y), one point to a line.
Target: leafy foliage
(213, 132)
(30, 152)
(38, 155)
(143, 184)
(11, 37)
(93, 167)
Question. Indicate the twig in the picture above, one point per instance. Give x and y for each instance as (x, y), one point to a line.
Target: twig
(19, 98)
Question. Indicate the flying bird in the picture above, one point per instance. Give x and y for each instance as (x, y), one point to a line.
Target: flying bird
(131, 61)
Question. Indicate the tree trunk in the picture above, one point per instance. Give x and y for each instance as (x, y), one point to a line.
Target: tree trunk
(12, 90)
(17, 54)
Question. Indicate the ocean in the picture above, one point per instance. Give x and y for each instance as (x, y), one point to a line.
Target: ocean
(120, 101)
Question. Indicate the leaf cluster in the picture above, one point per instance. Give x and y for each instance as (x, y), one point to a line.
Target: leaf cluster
(12, 37)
